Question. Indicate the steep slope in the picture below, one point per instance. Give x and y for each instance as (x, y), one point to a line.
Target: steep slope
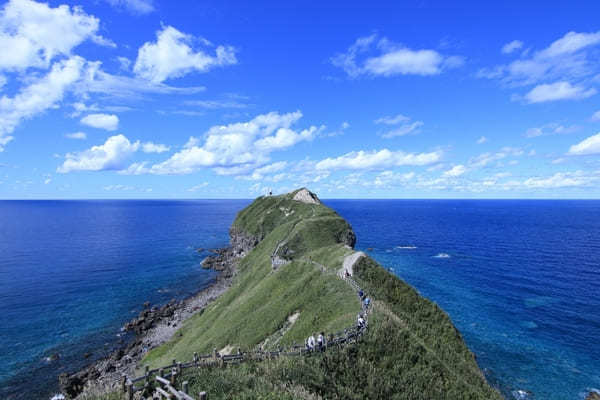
(288, 287)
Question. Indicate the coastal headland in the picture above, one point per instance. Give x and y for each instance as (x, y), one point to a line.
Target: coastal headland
(280, 281)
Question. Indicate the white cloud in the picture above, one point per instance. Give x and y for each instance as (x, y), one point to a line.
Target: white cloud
(596, 116)
(259, 173)
(150, 147)
(172, 56)
(565, 69)
(482, 140)
(47, 181)
(76, 135)
(32, 33)
(559, 180)
(198, 187)
(551, 129)
(486, 159)
(3, 81)
(39, 95)
(392, 59)
(512, 46)
(109, 122)
(124, 63)
(216, 104)
(455, 171)
(109, 156)
(134, 6)
(558, 91)
(378, 159)
(402, 126)
(590, 145)
(237, 148)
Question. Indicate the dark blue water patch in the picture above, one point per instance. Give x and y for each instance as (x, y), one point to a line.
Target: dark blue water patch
(73, 272)
(519, 281)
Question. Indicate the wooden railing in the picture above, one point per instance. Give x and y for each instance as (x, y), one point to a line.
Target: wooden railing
(166, 376)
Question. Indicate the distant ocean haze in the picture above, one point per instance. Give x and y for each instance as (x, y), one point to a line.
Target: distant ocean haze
(517, 278)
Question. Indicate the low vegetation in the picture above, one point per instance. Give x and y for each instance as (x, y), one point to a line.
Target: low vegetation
(410, 351)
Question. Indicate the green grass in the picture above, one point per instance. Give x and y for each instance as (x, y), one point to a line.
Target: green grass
(411, 350)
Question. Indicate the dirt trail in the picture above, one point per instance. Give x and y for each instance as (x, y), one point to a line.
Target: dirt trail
(349, 262)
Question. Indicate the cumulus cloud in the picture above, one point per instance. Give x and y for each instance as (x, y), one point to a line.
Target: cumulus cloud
(150, 147)
(110, 156)
(590, 145)
(378, 159)
(76, 135)
(40, 95)
(136, 7)
(564, 70)
(392, 59)
(235, 149)
(173, 56)
(482, 140)
(109, 122)
(558, 91)
(455, 171)
(32, 34)
(596, 116)
(512, 46)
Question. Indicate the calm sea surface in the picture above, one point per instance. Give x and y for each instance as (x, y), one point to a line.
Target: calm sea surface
(520, 279)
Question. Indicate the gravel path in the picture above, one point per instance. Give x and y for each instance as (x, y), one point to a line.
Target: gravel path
(349, 262)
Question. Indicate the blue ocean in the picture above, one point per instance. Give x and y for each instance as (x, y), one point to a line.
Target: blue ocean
(519, 279)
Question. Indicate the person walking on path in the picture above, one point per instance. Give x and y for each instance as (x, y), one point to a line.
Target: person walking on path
(360, 322)
(321, 342)
(311, 343)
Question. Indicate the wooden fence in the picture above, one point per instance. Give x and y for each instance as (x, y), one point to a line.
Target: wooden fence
(166, 376)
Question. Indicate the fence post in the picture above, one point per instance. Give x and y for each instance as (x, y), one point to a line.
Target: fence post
(195, 358)
(147, 373)
(173, 377)
(174, 363)
(203, 396)
(184, 387)
(215, 354)
(179, 368)
(129, 390)
(239, 351)
(123, 383)
(161, 372)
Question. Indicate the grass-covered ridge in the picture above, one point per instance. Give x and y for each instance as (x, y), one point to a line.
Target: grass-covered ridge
(410, 351)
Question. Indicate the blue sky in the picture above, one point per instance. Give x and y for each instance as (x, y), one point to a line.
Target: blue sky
(219, 99)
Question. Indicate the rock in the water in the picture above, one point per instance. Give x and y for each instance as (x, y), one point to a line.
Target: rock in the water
(593, 395)
(305, 196)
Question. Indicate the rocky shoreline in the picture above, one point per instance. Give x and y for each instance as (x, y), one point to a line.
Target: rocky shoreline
(156, 325)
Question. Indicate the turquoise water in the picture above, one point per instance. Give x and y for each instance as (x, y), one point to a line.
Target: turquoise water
(520, 279)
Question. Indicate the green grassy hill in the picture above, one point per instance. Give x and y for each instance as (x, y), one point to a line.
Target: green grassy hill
(410, 351)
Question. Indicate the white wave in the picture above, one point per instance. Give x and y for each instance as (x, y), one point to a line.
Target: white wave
(442, 255)
(406, 247)
(520, 394)
(58, 397)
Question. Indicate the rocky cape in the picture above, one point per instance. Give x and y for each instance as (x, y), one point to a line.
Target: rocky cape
(156, 325)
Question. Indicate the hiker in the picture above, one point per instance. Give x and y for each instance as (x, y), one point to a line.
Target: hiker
(367, 302)
(321, 342)
(311, 343)
(360, 322)
(361, 294)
